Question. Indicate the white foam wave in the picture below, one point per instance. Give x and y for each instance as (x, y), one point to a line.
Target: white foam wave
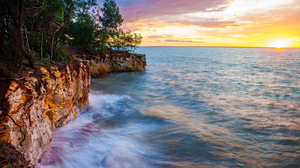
(87, 142)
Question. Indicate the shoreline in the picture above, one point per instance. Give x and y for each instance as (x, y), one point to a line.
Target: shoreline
(40, 106)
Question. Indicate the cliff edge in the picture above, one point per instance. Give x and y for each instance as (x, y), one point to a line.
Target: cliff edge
(35, 107)
(111, 62)
(31, 107)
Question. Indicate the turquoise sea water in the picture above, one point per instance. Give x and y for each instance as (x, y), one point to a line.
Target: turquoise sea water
(193, 107)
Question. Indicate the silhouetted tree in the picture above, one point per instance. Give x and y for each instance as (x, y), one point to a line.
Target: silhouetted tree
(109, 21)
(127, 41)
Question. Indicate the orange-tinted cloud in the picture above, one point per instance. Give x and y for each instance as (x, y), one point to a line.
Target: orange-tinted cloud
(154, 8)
(248, 23)
(161, 36)
(184, 41)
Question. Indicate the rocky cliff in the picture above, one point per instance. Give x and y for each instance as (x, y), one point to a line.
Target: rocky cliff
(31, 107)
(39, 106)
(111, 62)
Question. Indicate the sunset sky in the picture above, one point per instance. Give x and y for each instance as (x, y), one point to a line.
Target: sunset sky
(239, 23)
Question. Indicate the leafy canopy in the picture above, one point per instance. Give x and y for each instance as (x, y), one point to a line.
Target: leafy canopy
(45, 29)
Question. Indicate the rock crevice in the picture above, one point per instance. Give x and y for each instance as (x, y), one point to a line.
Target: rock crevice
(112, 62)
(40, 107)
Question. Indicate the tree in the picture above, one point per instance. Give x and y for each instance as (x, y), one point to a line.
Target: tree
(83, 31)
(60, 20)
(14, 17)
(29, 28)
(111, 18)
(40, 25)
(126, 41)
(109, 22)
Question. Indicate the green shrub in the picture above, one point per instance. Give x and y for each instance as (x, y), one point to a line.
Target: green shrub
(61, 53)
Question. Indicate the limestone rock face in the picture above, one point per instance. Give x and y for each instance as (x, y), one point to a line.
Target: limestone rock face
(112, 62)
(100, 66)
(40, 106)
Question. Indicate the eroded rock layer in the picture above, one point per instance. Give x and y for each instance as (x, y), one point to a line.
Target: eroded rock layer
(39, 106)
(112, 62)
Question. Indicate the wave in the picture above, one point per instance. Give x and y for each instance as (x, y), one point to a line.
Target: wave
(92, 140)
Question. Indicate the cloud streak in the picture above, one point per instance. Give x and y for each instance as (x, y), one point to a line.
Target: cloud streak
(219, 22)
(183, 41)
(160, 36)
(155, 8)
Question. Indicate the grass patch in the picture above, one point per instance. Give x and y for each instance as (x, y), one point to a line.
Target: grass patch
(44, 62)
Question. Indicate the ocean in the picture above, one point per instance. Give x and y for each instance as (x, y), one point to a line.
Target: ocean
(192, 107)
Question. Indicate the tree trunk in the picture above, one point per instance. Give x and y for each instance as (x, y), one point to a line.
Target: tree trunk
(30, 59)
(42, 39)
(31, 28)
(21, 58)
(26, 38)
(52, 44)
(25, 54)
(18, 24)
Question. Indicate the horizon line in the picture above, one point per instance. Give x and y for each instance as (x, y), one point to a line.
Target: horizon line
(227, 47)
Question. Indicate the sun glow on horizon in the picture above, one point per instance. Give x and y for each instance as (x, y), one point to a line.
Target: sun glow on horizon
(236, 23)
(280, 44)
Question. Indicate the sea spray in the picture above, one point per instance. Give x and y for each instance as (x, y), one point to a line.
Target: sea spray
(95, 140)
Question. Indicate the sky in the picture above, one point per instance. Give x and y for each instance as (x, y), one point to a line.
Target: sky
(228, 23)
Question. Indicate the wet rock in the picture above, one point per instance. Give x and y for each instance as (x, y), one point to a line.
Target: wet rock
(38, 108)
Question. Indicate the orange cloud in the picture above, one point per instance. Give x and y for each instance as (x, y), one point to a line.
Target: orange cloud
(154, 8)
(248, 23)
